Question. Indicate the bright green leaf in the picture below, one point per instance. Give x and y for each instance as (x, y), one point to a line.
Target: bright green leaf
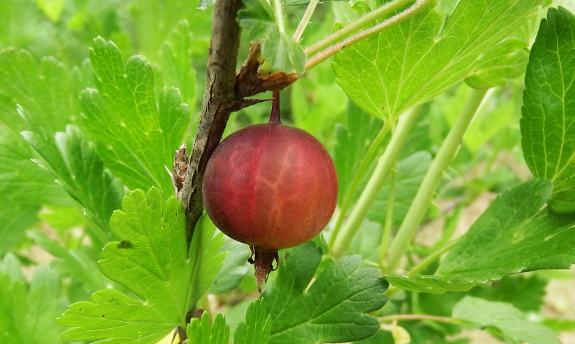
(28, 312)
(257, 327)
(200, 331)
(506, 60)
(332, 309)
(418, 59)
(513, 235)
(166, 278)
(15, 218)
(44, 92)
(547, 126)
(136, 140)
(22, 180)
(71, 263)
(176, 63)
(79, 170)
(511, 323)
(51, 8)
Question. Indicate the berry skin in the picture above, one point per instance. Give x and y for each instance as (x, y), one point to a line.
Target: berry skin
(270, 186)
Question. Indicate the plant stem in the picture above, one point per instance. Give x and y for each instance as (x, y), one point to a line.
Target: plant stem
(220, 99)
(305, 20)
(279, 15)
(388, 219)
(365, 162)
(431, 180)
(386, 161)
(338, 37)
(400, 317)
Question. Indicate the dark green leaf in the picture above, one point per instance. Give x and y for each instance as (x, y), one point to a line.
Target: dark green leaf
(416, 60)
(136, 140)
(547, 126)
(513, 235)
(332, 309)
(511, 323)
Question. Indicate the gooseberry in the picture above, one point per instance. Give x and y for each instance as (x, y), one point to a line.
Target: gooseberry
(270, 186)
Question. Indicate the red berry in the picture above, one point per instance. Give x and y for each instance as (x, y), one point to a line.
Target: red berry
(270, 186)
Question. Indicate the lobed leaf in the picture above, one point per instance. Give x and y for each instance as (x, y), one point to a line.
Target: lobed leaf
(200, 331)
(332, 309)
(547, 125)
(166, 282)
(257, 327)
(135, 140)
(418, 59)
(73, 161)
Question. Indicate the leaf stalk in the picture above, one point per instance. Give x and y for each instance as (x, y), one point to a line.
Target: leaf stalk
(386, 161)
(431, 180)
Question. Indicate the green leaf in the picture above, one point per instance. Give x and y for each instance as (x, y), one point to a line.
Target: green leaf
(234, 268)
(418, 59)
(279, 49)
(176, 64)
(352, 142)
(510, 322)
(79, 171)
(332, 309)
(44, 92)
(71, 263)
(429, 284)
(258, 325)
(547, 126)
(15, 218)
(515, 234)
(135, 140)
(410, 173)
(201, 332)
(166, 281)
(28, 312)
(22, 180)
(506, 60)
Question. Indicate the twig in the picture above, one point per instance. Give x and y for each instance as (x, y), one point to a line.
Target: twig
(220, 100)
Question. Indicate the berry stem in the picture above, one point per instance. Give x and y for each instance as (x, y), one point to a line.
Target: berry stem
(275, 114)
